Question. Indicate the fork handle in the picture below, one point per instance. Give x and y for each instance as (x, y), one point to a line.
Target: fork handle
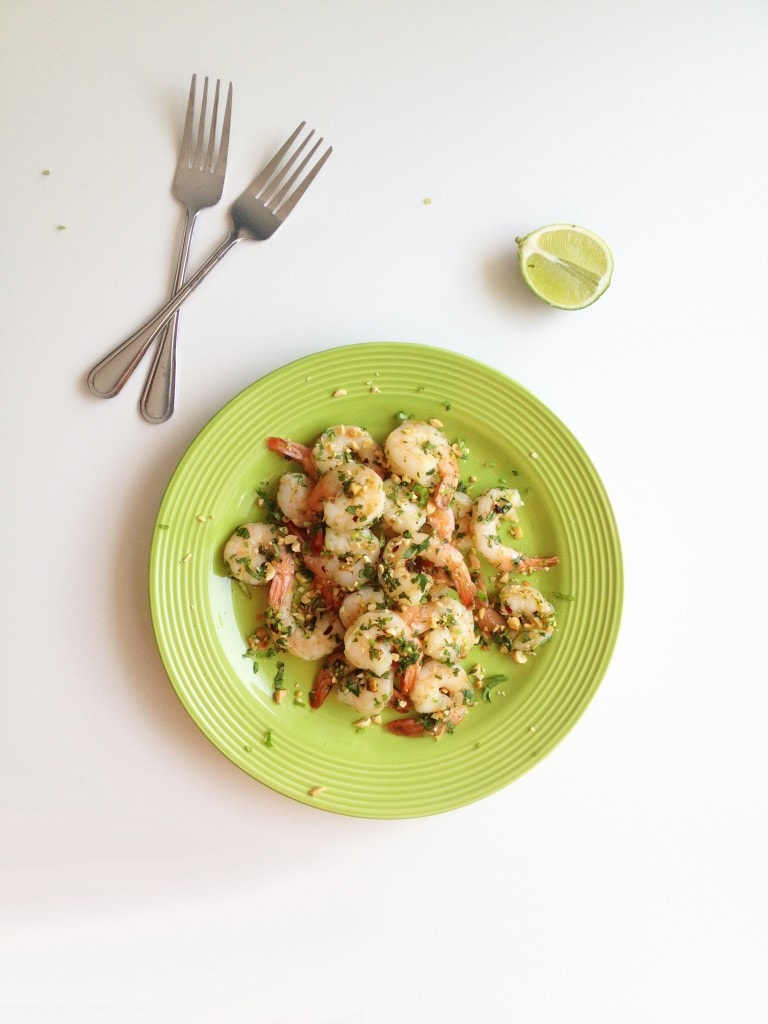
(108, 376)
(157, 399)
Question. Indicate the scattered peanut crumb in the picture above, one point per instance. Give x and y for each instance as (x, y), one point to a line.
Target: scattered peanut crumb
(519, 657)
(362, 723)
(187, 557)
(438, 424)
(201, 519)
(317, 790)
(375, 391)
(279, 696)
(339, 393)
(534, 455)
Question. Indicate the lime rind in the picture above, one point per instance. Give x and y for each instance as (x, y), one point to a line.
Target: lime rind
(567, 266)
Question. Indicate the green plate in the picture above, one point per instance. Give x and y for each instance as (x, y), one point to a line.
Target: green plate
(202, 618)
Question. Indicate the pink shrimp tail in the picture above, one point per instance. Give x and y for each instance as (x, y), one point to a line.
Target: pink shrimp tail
(463, 582)
(443, 522)
(282, 581)
(324, 680)
(489, 619)
(448, 469)
(410, 675)
(527, 564)
(294, 451)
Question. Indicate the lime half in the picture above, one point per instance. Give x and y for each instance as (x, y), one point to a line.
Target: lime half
(566, 266)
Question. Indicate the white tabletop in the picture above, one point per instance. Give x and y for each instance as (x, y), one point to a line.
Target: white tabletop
(144, 876)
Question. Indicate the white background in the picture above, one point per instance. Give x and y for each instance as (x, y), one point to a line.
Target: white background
(144, 877)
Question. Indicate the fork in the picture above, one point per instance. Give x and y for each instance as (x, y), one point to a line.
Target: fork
(256, 214)
(198, 184)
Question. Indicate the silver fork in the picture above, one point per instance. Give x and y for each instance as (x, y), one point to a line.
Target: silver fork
(198, 184)
(256, 214)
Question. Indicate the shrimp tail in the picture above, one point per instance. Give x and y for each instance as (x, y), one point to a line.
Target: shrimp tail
(488, 619)
(409, 677)
(449, 480)
(528, 564)
(323, 683)
(294, 451)
(282, 581)
(406, 727)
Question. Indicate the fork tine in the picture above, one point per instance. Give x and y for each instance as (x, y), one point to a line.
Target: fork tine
(300, 189)
(278, 197)
(198, 158)
(272, 186)
(221, 156)
(212, 135)
(269, 169)
(186, 139)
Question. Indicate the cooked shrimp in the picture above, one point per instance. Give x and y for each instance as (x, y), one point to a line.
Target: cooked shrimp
(366, 599)
(295, 451)
(364, 691)
(441, 691)
(302, 625)
(530, 616)
(420, 452)
(401, 578)
(349, 559)
(348, 497)
(343, 443)
(500, 504)
(379, 642)
(293, 491)
(256, 554)
(522, 621)
(445, 627)
(405, 506)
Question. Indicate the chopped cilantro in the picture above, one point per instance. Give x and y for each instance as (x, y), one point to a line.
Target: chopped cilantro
(488, 684)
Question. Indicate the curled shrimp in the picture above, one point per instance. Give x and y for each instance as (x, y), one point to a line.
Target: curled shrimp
(348, 497)
(365, 692)
(405, 506)
(401, 578)
(442, 694)
(522, 620)
(380, 642)
(445, 627)
(302, 624)
(498, 505)
(530, 616)
(293, 492)
(257, 554)
(421, 452)
(341, 444)
(348, 559)
(366, 599)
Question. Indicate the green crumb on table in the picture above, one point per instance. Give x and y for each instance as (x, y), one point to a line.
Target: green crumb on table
(563, 597)
(46, 172)
(61, 227)
(163, 526)
(427, 201)
(268, 741)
